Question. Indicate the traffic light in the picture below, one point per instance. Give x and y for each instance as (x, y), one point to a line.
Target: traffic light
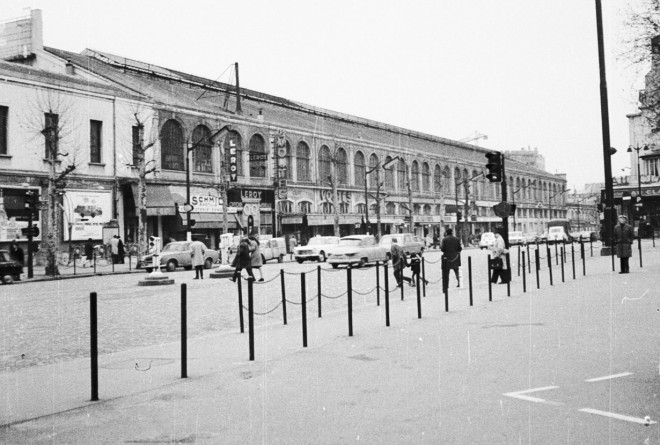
(155, 245)
(31, 201)
(459, 216)
(494, 166)
(192, 223)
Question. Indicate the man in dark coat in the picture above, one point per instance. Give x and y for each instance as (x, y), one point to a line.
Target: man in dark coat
(451, 250)
(16, 252)
(623, 239)
(89, 252)
(243, 259)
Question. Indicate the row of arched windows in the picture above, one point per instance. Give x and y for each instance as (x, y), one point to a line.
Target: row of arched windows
(424, 177)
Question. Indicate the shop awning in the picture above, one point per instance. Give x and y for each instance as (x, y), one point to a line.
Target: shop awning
(211, 220)
(159, 200)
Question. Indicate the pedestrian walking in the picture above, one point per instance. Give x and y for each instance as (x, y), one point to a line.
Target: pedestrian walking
(114, 248)
(436, 241)
(451, 250)
(243, 260)
(416, 268)
(292, 244)
(398, 264)
(197, 250)
(89, 252)
(623, 239)
(257, 260)
(498, 260)
(121, 251)
(16, 252)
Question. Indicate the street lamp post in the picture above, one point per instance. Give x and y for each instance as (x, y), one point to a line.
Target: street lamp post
(513, 197)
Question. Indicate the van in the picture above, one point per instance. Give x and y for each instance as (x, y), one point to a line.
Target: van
(557, 234)
(272, 249)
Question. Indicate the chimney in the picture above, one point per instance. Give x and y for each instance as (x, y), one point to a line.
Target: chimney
(260, 116)
(70, 69)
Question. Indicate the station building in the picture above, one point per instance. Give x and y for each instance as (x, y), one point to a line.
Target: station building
(283, 165)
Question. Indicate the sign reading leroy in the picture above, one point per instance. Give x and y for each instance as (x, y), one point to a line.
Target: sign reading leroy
(233, 162)
(237, 197)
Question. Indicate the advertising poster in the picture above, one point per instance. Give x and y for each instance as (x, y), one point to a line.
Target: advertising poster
(85, 212)
(14, 216)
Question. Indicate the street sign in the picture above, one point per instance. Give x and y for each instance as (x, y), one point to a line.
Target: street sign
(186, 208)
(503, 209)
(254, 157)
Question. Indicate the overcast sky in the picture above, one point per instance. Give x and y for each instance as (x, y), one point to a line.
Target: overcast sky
(522, 72)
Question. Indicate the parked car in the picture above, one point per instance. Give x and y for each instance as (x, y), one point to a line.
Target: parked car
(10, 270)
(406, 240)
(517, 238)
(317, 249)
(487, 240)
(177, 254)
(423, 242)
(530, 238)
(357, 250)
(272, 249)
(586, 236)
(558, 234)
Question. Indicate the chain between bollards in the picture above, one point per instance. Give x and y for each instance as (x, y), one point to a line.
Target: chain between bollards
(94, 346)
(184, 331)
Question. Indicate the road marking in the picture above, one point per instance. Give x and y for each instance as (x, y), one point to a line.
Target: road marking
(519, 395)
(618, 416)
(608, 377)
(635, 299)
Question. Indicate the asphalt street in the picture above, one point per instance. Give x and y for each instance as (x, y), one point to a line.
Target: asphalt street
(576, 362)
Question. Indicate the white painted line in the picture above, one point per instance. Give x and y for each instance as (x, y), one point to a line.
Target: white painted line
(608, 377)
(618, 416)
(519, 395)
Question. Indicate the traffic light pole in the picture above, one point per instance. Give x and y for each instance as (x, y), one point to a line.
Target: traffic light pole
(505, 220)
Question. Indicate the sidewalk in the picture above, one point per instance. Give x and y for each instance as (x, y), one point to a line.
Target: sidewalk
(369, 387)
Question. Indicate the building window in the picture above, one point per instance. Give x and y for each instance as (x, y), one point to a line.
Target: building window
(359, 208)
(426, 177)
(325, 168)
(342, 167)
(95, 134)
(234, 139)
(373, 162)
(51, 134)
(4, 125)
(285, 206)
(171, 143)
(427, 210)
(326, 207)
(390, 209)
(415, 177)
(446, 180)
(289, 161)
(401, 175)
(389, 174)
(202, 153)
(416, 209)
(302, 162)
(650, 165)
(305, 207)
(258, 157)
(343, 207)
(360, 169)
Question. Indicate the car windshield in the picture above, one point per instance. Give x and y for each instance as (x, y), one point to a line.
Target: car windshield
(351, 242)
(487, 236)
(317, 241)
(556, 229)
(173, 247)
(389, 240)
(516, 234)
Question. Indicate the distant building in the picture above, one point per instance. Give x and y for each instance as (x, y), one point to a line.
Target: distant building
(527, 156)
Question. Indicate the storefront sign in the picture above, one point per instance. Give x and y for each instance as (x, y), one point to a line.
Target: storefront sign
(233, 167)
(342, 196)
(85, 212)
(14, 215)
(206, 203)
(238, 197)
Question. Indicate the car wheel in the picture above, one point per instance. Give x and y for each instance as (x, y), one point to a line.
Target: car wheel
(7, 279)
(148, 269)
(335, 265)
(300, 260)
(208, 263)
(171, 266)
(322, 257)
(280, 258)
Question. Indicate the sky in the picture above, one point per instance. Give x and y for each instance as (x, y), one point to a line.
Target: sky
(522, 72)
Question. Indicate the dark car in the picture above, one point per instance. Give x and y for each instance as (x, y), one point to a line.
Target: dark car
(10, 270)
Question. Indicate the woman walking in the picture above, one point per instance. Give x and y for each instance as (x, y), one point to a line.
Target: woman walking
(257, 260)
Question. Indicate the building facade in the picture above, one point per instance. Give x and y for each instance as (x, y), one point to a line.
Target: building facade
(284, 167)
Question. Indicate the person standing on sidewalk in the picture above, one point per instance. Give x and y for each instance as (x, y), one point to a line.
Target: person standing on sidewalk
(89, 253)
(16, 252)
(114, 248)
(257, 261)
(243, 260)
(451, 250)
(623, 239)
(292, 245)
(398, 264)
(498, 251)
(121, 251)
(197, 250)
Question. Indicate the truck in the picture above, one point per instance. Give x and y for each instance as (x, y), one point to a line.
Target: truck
(559, 230)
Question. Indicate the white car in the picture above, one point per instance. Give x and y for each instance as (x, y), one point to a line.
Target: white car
(487, 240)
(557, 234)
(357, 250)
(517, 238)
(317, 249)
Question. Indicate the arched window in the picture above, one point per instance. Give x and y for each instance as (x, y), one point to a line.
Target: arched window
(171, 146)
(401, 175)
(342, 167)
(426, 177)
(289, 161)
(437, 179)
(389, 208)
(373, 162)
(389, 174)
(258, 157)
(326, 207)
(234, 140)
(202, 154)
(427, 210)
(305, 207)
(325, 167)
(360, 169)
(416, 209)
(476, 186)
(285, 206)
(302, 162)
(446, 180)
(414, 177)
(457, 180)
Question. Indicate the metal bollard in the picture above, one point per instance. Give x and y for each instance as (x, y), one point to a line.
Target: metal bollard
(550, 266)
(318, 285)
(419, 300)
(303, 304)
(74, 263)
(490, 284)
(470, 277)
(508, 278)
(537, 259)
(377, 283)
(349, 284)
(240, 302)
(573, 259)
(424, 275)
(94, 262)
(184, 331)
(639, 246)
(94, 346)
(387, 296)
(556, 254)
(518, 260)
(283, 295)
(524, 274)
(562, 264)
(251, 318)
(591, 242)
(529, 264)
(584, 266)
